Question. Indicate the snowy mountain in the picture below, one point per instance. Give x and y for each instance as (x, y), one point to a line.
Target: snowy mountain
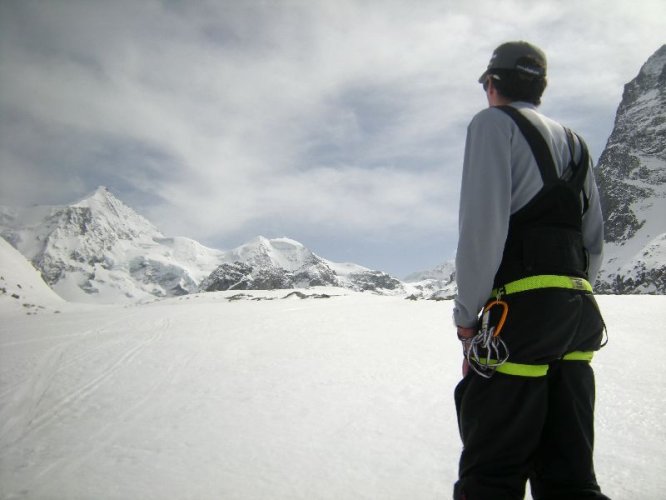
(21, 285)
(265, 264)
(100, 250)
(437, 283)
(632, 185)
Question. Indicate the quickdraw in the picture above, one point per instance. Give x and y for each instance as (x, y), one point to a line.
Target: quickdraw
(486, 351)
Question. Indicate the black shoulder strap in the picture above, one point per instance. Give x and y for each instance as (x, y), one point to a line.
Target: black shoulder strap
(581, 168)
(537, 144)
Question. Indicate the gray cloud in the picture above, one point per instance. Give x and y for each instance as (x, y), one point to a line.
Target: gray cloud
(221, 120)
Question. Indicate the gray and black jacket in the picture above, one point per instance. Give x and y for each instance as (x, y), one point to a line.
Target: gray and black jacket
(501, 176)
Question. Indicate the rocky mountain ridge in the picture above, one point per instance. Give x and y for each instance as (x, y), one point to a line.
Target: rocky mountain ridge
(437, 283)
(282, 263)
(631, 175)
(100, 250)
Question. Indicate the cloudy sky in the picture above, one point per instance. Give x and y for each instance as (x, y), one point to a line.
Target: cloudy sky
(338, 123)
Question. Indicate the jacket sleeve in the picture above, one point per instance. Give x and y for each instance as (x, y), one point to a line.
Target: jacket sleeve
(593, 228)
(485, 205)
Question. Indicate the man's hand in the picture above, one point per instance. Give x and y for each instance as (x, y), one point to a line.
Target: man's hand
(463, 335)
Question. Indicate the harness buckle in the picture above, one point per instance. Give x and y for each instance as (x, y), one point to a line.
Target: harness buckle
(578, 283)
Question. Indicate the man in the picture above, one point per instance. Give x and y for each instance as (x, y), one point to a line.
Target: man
(530, 244)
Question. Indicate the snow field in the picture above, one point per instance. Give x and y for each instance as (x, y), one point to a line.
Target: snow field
(348, 397)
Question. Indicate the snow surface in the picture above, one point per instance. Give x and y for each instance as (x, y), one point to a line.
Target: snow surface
(22, 284)
(222, 395)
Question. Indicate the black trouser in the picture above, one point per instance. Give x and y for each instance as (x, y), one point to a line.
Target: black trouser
(517, 428)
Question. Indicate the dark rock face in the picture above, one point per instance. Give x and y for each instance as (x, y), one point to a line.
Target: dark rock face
(281, 263)
(639, 133)
(373, 280)
(631, 176)
(244, 276)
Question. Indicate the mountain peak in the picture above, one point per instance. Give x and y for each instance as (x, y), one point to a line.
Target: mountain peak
(103, 205)
(264, 263)
(281, 252)
(272, 242)
(631, 175)
(654, 66)
(99, 197)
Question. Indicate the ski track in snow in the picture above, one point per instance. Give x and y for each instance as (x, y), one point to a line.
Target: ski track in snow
(341, 398)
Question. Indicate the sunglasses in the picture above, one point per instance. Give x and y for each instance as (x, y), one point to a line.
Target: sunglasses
(485, 82)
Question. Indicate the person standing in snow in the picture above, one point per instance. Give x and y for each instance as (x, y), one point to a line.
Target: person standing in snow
(530, 244)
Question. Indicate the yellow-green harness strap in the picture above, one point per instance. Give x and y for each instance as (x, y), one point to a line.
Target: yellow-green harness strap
(579, 356)
(525, 370)
(522, 370)
(535, 283)
(543, 281)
